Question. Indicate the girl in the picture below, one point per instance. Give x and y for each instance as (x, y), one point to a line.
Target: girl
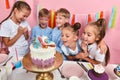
(42, 29)
(92, 35)
(70, 40)
(14, 29)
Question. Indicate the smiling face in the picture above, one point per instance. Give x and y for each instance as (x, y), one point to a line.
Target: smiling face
(20, 15)
(60, 20)
(43, 21)
(90, 34)
(68, 37)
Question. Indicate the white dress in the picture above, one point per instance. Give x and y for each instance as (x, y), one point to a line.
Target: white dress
(10, 29)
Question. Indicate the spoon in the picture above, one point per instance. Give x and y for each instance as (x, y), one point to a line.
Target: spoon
(82, 66)
(61, 73)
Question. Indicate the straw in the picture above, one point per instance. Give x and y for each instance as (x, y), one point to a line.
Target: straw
(16, 54)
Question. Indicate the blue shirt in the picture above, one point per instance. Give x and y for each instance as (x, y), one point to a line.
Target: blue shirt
(56, 37)
(38, 31)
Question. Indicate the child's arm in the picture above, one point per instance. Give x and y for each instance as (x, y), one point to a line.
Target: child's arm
(102, 46)
(3, 50)
(81, 55)
(84, 53)
(9, 42)
(92, 60)
(71, 58)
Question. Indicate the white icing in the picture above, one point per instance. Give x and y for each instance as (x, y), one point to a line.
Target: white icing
(99, 68)
(42, 53)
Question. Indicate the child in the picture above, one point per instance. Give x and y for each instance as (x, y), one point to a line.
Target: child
(14, 29)
(62, 16)
(42, 29)
(92, 35)
(70, 40)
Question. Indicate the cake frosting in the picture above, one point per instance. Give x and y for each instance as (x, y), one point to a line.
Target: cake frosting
(42, 52)
(117, 70)
(99, 68)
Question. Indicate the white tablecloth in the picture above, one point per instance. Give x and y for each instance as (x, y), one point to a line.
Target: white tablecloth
(21, 74)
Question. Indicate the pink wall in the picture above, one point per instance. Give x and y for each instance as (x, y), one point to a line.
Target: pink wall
(80, 8)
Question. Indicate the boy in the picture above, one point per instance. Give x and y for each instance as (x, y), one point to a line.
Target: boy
(62, 16)
(42, 29)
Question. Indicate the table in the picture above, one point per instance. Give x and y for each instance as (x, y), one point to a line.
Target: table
(21, 74)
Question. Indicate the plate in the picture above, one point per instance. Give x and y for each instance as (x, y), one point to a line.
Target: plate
(116, 74)
(3, 58)
(109, 69)
(72, 69)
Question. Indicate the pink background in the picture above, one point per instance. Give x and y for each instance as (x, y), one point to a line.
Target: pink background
(81, 8)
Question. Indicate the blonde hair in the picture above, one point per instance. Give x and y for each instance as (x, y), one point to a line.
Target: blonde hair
(44, 13)
(64, 12)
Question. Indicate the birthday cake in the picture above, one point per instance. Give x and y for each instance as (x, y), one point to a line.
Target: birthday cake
(117, 70)
(42, 52)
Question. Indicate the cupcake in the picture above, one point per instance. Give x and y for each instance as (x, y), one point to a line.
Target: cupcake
(99, 69)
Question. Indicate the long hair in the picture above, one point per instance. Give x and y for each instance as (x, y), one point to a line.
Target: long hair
(107, 56)
(19, 5)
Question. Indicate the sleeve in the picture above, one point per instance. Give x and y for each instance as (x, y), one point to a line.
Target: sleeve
(63, 48)
(92, 49)
(50, 34)
(99, 57)
(5, 30)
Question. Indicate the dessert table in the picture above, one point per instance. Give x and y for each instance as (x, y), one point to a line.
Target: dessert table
(22, 74)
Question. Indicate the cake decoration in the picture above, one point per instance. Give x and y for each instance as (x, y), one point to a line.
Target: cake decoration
(43, 42)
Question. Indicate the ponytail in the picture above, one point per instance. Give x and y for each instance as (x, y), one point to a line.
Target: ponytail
(107, 56)
(7, 17)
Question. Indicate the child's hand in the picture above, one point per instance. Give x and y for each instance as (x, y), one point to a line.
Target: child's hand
(20, 30)
(81, 55)
(25, 29)
(84, 46)
(103, 47)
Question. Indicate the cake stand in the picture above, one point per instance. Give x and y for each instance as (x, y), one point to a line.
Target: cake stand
(43, 74)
